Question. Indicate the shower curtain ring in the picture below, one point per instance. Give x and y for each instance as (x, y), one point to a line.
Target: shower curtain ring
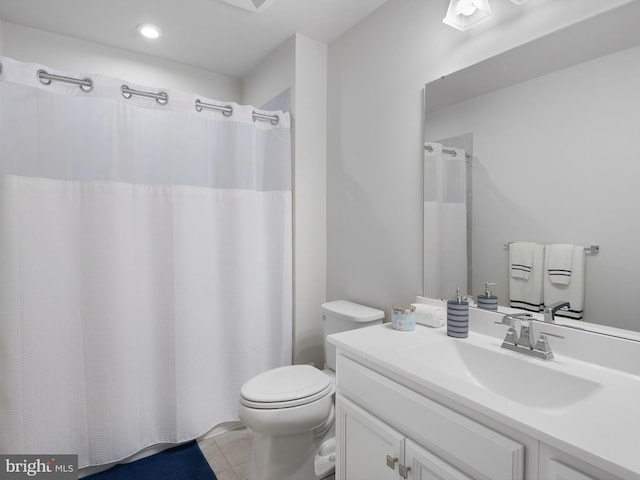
(85, 84)
(88, 86)
(43, 80)
(124, 89)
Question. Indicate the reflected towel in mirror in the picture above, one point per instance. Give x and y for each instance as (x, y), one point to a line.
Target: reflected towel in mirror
(559, 263)
(573, 292)
(521, 259)
(526, 293)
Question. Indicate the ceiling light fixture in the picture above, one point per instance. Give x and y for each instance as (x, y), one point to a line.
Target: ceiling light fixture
(253, 6)
(518, 2)
(464, 14)
(148, 30)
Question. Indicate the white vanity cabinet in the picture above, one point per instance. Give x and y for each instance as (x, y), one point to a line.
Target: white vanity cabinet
(465, 408)
(371, 449)
(387, 431)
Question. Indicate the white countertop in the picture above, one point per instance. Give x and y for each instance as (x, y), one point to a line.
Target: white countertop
(602, 429)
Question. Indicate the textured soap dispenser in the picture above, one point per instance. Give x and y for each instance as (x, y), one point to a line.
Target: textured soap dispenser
(458, 317)
(487, 300)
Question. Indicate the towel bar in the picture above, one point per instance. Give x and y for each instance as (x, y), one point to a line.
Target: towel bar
(591, 250)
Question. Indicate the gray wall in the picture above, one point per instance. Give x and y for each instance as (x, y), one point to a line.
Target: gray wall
(300, 64)
(65, 53)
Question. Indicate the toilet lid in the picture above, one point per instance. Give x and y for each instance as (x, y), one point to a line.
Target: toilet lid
(286, 387)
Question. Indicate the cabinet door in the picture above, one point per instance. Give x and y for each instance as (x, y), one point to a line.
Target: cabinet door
(560, 471)
(368, 448)
(425, 465)
(558, 465)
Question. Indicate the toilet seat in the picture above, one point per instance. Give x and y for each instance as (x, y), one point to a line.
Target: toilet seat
(286, 387)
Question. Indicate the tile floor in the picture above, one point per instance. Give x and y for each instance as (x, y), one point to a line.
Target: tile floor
(228, 453)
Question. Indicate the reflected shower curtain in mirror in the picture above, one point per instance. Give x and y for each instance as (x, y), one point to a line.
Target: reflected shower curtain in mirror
(145, 264)
(445, 221)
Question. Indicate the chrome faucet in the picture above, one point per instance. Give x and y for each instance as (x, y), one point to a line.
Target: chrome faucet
(525, 340)
(550, 310)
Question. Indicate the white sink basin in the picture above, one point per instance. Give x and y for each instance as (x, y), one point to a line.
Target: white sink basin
(525, 380)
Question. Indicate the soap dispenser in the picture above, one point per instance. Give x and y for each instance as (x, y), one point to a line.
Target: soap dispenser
(458, 317)
(487, 300)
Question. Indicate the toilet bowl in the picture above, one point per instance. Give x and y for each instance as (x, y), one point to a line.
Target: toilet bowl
(291, 408)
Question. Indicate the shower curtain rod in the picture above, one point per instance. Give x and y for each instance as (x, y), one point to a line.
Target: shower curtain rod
(429, 149)
(86, 85)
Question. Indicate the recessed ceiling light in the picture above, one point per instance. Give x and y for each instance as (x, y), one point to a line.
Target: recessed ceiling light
(149, 31)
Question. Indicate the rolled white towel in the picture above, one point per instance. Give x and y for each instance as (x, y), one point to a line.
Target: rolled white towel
(429, 315)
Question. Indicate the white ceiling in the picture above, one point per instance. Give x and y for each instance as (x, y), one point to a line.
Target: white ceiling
(207, 34)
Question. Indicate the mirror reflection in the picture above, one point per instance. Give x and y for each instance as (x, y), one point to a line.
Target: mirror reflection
(552, 130)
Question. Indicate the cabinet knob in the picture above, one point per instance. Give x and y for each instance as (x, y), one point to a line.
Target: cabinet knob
(391, 462)
(404, 471)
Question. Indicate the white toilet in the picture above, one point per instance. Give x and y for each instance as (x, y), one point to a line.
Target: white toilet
(291, 409)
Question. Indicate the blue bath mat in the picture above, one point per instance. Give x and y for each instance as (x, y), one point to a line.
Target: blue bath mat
(185, 462)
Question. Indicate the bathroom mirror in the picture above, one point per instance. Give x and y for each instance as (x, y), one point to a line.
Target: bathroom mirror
(554, 127)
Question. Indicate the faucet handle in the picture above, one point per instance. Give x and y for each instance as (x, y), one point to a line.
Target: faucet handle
(506, 320)
(542, 345)
(547, 334)
(509, 318)
(511, 336)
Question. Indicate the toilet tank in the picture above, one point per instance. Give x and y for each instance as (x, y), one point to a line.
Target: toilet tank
(341, 315)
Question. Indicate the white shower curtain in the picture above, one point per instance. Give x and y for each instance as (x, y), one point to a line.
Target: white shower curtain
(445, 221)
(145, 264)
